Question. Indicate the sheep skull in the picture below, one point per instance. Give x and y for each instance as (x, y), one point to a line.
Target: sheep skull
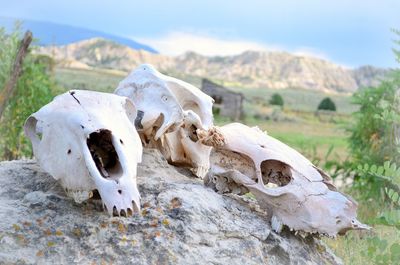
(87, 141)
(296, 194)
(175, 109)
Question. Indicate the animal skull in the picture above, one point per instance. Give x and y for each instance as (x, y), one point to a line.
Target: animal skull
(157, 106)
(182, 147)
(296, 194)
(87, 141)
(175, 109)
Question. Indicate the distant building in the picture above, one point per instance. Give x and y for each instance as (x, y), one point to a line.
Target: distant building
(227, 103)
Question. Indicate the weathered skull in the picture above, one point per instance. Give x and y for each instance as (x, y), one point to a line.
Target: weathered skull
(87, 141)
(175, 109)
(296, 193)
(182, 147)
(157, 107)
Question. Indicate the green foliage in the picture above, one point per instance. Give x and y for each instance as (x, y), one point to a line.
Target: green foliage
(375, 165)
(378, 249)
(372, 136)
(276, 99)
(396, 51)
(373, 132)
(327, 104)
(8, 50)
(33, 91)
(380, 252)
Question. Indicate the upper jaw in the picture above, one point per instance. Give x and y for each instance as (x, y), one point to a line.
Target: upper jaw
(113, 175)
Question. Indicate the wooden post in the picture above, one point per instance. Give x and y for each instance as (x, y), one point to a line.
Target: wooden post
(9, 87)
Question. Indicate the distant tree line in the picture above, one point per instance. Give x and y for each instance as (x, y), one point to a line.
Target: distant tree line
(326, 104)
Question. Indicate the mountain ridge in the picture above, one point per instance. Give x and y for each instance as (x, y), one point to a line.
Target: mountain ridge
(49, 33)
(257, 69)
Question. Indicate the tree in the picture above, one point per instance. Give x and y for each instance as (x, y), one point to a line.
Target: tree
(276, 99)
(327, 104)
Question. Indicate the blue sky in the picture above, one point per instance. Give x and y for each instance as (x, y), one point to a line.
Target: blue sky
(351, 33)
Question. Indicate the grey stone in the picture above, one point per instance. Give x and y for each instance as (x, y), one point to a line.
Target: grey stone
(181, 222)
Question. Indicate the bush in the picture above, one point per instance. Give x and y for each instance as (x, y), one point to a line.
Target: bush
(327, 104)
(375, 132)
(276, 99)
(33, 90)
(373, 128)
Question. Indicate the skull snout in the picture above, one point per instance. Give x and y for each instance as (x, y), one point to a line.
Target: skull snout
(112, 175)
(104, 154)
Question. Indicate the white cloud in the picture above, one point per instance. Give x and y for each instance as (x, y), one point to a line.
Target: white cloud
(311, 52)
(176, 43)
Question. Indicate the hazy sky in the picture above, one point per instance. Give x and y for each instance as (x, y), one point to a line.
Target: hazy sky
(348, 32)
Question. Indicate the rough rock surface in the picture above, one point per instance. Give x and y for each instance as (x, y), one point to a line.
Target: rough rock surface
(181, 222)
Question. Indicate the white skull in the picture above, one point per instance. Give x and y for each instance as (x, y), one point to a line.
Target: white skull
(157, 107)
(175, 109)
(87, 141)
(182, 147)
(296, 194)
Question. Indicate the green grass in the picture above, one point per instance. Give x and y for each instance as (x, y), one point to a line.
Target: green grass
(298, 99)
(98, 80)
(353, 247)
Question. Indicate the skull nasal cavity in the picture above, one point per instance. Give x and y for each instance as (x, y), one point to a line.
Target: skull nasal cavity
(103, 152)
(276, 172)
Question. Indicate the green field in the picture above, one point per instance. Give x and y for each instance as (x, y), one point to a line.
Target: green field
(99, 80)
(298, 99)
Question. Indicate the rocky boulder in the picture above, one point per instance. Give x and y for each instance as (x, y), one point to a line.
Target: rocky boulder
(181, 222)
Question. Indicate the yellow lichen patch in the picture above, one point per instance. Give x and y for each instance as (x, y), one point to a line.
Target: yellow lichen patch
(121, 228)
(51, 244)
(77, 232)
(144, 212)
(134, 242)
(59, 233)
(165, 222)
(16, 227)
(47, 232)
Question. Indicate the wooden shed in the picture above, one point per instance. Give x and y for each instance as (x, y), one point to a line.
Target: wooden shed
(227, 103)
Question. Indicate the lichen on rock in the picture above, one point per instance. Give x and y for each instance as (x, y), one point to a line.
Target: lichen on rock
(181, 222)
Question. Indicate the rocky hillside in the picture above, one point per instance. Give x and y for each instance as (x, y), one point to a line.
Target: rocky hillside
(250, 69)
(181, 222)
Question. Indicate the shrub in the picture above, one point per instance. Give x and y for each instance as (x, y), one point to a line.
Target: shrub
(33, 90)
(327, 104)
(276, 99)
(373, 132)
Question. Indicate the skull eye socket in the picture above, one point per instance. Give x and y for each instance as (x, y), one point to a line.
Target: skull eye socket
(104, 154)
(276, 172)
